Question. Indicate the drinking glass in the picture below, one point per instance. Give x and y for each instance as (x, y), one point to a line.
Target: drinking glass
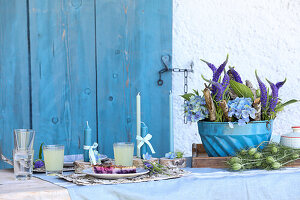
(23, 153)
(123, 152)
(54, 159)
(23, 139)
(23, 164)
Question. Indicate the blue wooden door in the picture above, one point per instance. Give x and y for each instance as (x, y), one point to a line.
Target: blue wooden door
(14, 72)
(131, 37)
(64, 62)
(62, 41)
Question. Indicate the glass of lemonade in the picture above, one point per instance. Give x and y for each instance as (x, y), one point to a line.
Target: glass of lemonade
(54, 159)
(123, 152)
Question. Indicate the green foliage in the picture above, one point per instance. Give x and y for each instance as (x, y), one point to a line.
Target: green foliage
(41, 151)
(241, 90)
(272, 156)
(258, 93)
(155, 168)
(219, 113)
(179, 154)
(187, 96)
(196, 92)
(280, 106)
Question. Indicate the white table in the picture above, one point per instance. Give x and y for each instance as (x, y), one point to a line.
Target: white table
(30, 189)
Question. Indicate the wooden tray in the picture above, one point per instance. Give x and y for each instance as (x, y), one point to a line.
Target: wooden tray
(201, 160)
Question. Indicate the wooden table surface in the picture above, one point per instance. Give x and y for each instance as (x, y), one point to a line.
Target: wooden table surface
(29, 189)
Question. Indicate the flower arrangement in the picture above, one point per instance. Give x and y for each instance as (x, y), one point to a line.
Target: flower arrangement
(227, 99)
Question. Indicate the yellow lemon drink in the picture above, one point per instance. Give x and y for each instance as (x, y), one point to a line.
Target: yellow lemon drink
(123, 152)
(54, 159)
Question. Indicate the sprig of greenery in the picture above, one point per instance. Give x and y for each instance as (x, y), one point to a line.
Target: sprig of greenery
(272, 156)
(155, 168)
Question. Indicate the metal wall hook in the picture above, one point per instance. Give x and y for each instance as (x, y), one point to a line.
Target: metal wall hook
(166, 60)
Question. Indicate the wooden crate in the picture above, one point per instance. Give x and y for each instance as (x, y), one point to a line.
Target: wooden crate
(201, 160)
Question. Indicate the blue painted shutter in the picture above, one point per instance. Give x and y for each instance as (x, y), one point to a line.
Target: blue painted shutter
(132, 35)
(63, 71)
(87, 61)
(14, 73)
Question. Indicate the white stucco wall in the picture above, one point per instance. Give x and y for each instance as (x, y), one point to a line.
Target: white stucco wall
(257, 34)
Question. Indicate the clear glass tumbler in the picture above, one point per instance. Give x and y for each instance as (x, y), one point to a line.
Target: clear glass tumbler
(23, 164)
(123, 152)
(23, 153)
(23, 139)
(54, 159)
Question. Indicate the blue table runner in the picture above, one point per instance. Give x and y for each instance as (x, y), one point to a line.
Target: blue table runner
(203, 183)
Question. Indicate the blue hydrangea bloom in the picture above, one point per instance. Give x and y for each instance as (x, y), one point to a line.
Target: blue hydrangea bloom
(170, 155)
(195, 109)
(147, 156)
(242, 110)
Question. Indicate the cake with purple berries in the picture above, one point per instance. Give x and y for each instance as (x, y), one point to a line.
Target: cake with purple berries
(113, 169)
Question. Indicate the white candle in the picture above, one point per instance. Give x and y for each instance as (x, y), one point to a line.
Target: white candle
(138, 121)
(171, 122)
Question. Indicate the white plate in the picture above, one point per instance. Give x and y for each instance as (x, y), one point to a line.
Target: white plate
(68, 164)
(139, 172)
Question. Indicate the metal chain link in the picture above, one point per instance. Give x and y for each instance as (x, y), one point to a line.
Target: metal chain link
(185, 81)
(185, 74)
(185, 88)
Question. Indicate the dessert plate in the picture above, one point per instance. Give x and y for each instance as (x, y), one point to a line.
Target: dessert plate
(139, 172)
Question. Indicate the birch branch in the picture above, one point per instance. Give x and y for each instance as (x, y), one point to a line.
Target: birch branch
(249, 85)
(210, 105)
(231, 92)
(225, 110)
(257, 105)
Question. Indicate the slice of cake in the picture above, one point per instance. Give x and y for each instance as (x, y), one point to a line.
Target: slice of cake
(113, 169)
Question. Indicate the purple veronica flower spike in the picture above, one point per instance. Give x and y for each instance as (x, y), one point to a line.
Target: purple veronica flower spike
(226, 80)
(235, 75)
(263, 91)
(216, 72)
(219, 90)
(280, 84)
(274, 99)
(219, 87)
(211, 66)
(219, 71)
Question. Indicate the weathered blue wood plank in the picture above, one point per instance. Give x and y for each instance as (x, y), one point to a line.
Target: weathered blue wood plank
(14, 76)
(132, 35)
(154, 29)
(63, 71)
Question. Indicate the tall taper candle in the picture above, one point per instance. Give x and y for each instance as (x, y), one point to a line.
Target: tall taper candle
(87, 141)
(171, 122)
(138, 121)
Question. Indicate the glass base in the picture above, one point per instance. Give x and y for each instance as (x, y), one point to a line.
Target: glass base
(54, 173)
(23, 177)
